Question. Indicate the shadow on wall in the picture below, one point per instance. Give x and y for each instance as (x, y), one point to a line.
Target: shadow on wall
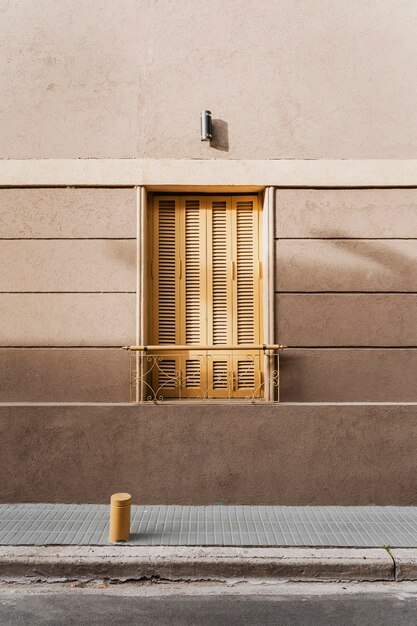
(352, 267)
(347, 373)
(384, 255)
(220, 139)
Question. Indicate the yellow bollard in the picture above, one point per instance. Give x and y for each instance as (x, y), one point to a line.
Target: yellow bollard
(120, 517)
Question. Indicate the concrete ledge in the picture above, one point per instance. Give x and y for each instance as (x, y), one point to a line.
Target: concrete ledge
(202, 172)
(136, 563)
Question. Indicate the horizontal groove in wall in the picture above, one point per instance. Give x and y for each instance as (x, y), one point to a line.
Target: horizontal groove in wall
(344, 187)
(352, 347)
(344, 293)
(178, 188)
(346, 238)
(62, 348)
(67, 186)
(287, 347)
(111, 293)
(67, 238)
(121, 347)
(121, 186)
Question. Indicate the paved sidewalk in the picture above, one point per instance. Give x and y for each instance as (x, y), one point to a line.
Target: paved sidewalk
(251, 526)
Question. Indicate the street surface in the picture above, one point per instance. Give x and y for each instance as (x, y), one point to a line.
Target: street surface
(203, 604)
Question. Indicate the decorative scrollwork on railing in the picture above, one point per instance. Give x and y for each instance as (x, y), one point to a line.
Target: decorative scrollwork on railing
(169, 378)
(161, 373)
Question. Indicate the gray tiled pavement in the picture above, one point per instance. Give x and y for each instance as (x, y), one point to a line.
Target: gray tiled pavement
(217, 525)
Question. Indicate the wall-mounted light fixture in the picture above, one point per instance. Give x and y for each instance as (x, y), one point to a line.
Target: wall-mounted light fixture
(206, 127)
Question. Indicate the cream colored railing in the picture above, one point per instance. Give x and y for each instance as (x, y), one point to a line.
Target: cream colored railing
(205, 372)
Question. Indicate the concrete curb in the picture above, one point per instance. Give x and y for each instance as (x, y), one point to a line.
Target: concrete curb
(405, 560)
(39, 563)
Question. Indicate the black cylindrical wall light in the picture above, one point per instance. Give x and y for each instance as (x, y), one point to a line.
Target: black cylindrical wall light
(206, 128)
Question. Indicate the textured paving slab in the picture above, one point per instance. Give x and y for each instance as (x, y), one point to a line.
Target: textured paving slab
(87, 524)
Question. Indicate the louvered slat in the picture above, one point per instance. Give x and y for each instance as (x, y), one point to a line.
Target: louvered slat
(220, 375)
(192, 374)
(166, 271)
(245, 375)
(245, 272)
(193, 295)
(219, 272)
(167, 374)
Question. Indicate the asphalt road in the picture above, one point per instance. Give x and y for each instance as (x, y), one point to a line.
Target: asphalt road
(211, 605)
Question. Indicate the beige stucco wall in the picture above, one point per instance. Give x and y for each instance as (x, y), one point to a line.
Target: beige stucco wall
(286, 79)
(67, 293)
(345, 293)
(346, 301)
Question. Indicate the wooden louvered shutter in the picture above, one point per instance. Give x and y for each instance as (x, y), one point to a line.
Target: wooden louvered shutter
(193, 322)
(219, 301)
(246, 293)
(233, 293)
(206, 291)
(166, 298)
(246, 254)
(193, 277)
(166, 279)
(219, 294)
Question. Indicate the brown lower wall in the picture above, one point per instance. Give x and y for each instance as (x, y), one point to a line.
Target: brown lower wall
(307, 375)
(64, 375)
(290, 454)
(349, 374)
(341, 320)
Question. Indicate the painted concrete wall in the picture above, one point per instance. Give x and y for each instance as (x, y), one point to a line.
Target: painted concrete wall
(283, 78)
(67, 301)
(346, 284)
(345, 297)
(198, 454)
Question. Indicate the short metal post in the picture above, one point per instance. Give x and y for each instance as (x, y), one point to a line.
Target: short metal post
(120, 504)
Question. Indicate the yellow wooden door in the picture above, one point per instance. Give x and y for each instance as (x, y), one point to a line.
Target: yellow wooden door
(206, 290)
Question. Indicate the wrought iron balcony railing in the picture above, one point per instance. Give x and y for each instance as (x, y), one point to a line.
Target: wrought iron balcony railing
(204, 372)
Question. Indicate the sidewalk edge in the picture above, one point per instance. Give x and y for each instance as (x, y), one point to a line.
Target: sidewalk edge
(42, 563)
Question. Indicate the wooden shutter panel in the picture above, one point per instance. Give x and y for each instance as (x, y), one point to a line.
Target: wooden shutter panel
(219, 304)
(246, 328)
(165, 368)
(166, 293)
(219, 293)
(193, 293)
(246, 255)
(193, 281)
